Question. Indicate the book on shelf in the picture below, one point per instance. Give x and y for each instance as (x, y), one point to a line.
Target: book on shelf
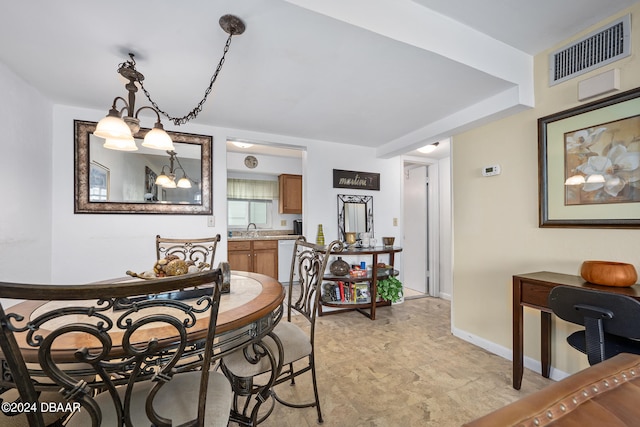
(347, 292)
(362, 293)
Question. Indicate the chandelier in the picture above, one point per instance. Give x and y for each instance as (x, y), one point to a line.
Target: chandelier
(168, 179)
(119, 126)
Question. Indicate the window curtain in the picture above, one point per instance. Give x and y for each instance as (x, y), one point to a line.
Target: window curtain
(251, 189)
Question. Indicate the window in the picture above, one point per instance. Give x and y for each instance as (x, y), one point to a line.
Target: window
(250, 201)
(242, 212)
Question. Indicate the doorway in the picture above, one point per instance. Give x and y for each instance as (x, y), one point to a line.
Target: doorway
(428, 223)
(419, 215)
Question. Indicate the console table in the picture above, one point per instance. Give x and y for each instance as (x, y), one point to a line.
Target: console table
(372, 276)
(532, 290)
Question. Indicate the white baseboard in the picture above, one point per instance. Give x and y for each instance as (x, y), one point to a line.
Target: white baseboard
(444, 295)
(506, 353)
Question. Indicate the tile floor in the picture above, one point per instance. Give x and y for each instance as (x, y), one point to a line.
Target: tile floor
(403, 369)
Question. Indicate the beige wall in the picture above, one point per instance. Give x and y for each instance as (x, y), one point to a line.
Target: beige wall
(496, 231)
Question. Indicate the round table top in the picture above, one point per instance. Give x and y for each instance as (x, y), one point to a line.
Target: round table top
(252, 296)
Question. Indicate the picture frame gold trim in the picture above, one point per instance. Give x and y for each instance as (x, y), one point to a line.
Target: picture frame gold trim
(553, 212)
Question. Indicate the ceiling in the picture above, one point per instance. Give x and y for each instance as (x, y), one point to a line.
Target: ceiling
(393, 75)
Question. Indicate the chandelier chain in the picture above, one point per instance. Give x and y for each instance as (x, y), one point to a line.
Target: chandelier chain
(194, 113)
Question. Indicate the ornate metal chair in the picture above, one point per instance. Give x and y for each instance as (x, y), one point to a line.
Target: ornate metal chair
(198, 251)
(611, 321)
(292, 343)
(129, 337)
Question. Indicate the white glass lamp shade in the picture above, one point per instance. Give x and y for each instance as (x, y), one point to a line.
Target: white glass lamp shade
(184, 182)
(596, 178)
(158, 139)
(162, 180)
(113, 127)
(575, 180)
(121, 144)
(170, 184)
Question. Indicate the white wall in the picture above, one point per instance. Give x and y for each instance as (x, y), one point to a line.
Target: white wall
(89, 247)
(267, 165)
(445, 267)
(25, 162)
(320, 198)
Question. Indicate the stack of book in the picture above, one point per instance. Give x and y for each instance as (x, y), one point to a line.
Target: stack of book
(350, 292)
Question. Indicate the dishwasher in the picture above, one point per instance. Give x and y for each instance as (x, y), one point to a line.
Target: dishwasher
(285, 252)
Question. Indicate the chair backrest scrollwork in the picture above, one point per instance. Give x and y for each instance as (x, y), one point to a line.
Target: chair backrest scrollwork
(308, 264)
(111, 336)
(202, 250)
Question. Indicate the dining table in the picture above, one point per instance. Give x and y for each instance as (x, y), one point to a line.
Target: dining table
(247, 313)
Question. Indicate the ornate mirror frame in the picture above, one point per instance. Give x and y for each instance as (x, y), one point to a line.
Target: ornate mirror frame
(367, 201)
(82, 132)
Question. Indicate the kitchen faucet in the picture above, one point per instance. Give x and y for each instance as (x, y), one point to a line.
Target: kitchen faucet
(250, 224)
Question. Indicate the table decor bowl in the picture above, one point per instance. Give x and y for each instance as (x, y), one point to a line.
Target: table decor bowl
(388, 241)
(609, 273)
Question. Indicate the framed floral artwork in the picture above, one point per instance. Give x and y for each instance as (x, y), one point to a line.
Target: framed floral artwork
(589, 164)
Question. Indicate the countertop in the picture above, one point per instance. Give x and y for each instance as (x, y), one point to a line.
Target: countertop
(262, 235)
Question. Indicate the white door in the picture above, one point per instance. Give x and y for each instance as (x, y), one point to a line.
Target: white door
(421, 233)
(415, 248)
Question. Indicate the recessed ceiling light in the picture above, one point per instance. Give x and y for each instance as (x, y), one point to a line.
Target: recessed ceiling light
(241, 144)
(428, 148)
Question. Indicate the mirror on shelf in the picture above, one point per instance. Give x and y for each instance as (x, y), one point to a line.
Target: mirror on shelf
(355, 214)
(112, 181)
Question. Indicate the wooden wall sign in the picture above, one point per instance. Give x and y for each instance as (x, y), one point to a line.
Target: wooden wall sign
(354, 179)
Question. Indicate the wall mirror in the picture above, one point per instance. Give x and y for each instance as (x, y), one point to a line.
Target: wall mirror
(355, 214)
(112, 181)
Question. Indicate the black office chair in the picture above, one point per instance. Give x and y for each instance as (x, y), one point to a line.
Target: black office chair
(611, 321)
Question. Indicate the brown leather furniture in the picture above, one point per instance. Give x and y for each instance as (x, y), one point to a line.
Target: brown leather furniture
(606, 394)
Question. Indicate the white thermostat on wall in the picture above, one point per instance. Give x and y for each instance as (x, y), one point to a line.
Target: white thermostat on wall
(491, 170)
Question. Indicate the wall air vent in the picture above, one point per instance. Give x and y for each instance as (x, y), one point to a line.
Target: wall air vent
(598, 48)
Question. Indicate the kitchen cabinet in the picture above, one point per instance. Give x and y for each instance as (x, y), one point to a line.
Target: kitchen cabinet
(290, 187)
(256, 256)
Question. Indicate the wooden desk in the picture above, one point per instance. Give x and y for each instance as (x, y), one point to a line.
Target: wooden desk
(532, 290)
(248, 312)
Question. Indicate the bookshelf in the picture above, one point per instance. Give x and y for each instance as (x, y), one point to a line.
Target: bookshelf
(349, 292)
